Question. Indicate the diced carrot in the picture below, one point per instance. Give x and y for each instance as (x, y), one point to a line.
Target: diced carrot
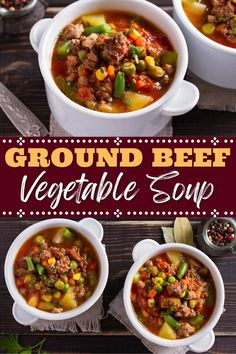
(152, 293)
(45, 263)
(144, 276)
(140, 41)
(71, 282)
(111, 70)
(19, 282)
(145, 313)
(221, 27)
(36, 249)
(140, 84)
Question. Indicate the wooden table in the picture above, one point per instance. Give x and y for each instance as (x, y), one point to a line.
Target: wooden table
(19, 71)
(120, 237)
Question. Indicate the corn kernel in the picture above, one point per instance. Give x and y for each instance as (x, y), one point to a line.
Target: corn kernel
(52, 260)
(47, 298)
(101, 73)
(76, 276)
(134, 34)
(27, 279)
(57, 295)
(158, 280)
(150, 60)
(183, 294)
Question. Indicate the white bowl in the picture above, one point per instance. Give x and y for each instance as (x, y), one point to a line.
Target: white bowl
(203, 339)
(211, 61)
(92, 230)
(77, 120)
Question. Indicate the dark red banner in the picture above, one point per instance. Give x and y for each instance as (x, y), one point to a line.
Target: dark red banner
(118, 177)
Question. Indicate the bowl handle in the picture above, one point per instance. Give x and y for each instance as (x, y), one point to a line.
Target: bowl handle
(183, 101)
(21, 316)
(142, 247)
(204, 344)
(94, 226)
(37, 32)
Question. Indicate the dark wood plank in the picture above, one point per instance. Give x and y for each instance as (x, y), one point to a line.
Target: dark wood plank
(113, 344)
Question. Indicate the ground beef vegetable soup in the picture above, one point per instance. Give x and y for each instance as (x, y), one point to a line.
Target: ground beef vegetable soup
(113, 62)
(214, 18)
(56, 270)
(173, 295)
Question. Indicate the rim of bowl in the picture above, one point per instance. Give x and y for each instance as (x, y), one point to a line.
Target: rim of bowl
(178, 78)
(27, 234)
(219, 304)
(198, 34)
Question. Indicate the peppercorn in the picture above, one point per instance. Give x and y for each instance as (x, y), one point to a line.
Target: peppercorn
(220, 233)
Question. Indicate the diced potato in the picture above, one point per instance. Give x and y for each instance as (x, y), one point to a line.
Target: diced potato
(175, 257)
(194, 7)
(33, 300)
(58, 238)
(93, 20)
(106, 107)
(136, 101)
(69, 300)
(46, 306)
(167, 332)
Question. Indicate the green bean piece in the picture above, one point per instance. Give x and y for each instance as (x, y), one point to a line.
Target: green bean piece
(30, 264)
(141, 52)
(129, 68)
(208, 29)
(67, 234)
(169, 57)
(66, 288)
(82, 54)
(59, 284)
(103, 28)
(171, 321)
(64, 48)
(182, 270)
(234, 31)
(196, 321)
(40, 268)
(142, 65)
(119, 85)
(39, 240)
